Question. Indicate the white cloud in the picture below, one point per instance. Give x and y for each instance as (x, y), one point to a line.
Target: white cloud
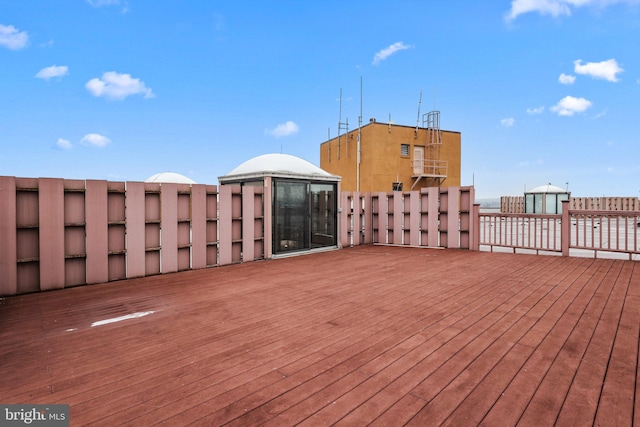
(537, 110)
(606, 70)
(101, 3)
(566, 79)
(13, 39)
(284, 129)
(114, 85)
(388, 51)
(600, 114)
(556, 8)
(95, 140)
(508, 122)
(569, 105)
(53, 71)
(63, 144)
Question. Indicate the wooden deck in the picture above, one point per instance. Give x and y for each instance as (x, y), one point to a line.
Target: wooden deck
(368, 335)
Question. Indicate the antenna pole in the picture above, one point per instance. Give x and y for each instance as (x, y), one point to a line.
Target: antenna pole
(339, 123)
(359, 135)
(342, 126)
(418, 119)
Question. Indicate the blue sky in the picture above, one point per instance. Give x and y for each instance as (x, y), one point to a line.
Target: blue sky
(541, 90)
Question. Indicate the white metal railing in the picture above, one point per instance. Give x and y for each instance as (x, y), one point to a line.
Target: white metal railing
(520, 231)
(605, 231)
(575, 230)
(430, 167)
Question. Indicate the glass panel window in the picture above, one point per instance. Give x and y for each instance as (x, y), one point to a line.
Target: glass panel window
(304, 215)
(528, 203)
(550, 205)
(404, 150)
(323, 215)
(290, 216)
(537, 203)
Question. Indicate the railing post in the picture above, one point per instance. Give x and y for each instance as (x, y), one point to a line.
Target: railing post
(475, 229)
(565, 228)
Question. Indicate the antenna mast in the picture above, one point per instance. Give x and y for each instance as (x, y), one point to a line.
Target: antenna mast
(358, 143)
(418, 119)
(343, 126)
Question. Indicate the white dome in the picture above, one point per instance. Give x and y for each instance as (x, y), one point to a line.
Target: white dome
(170, 177)
(548, 188)
(281, 165)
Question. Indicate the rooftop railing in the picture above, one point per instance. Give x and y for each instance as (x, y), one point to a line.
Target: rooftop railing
(574, 232)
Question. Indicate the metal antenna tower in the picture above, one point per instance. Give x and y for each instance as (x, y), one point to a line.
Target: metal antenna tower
(359, 147)
(418, 119)
(343, 126)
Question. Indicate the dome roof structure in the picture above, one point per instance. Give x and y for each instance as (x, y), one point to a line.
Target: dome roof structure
(277, 165)
(170, 177)
(547, 188)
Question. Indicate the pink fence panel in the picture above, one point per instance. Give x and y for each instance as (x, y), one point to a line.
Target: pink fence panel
(184, 231)
(396, 215)
(449, 217)
(225, 221)
(258, 223)
(367, 228)
(8, 237)
(430, 235)
(236, 224)
(51, 233)
(152, 229)
(136, 229)
(28, 236)
(212, 235)
(252, 223)
(355, 229)
(169, 228)
(357, 219)
(116, 230)
(198, 226)
(75, 241)
(413, 218)
(345, 219)
(467, 200)
(97, 231)
(231, 223)
(58, 233)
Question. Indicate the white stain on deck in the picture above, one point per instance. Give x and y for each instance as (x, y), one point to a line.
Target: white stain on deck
(121, 318)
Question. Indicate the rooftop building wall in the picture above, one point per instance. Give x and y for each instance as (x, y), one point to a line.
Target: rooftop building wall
(382, 159)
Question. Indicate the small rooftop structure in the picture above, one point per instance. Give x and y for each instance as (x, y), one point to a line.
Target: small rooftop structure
(170, 177)
(300, 201)
(545, 199)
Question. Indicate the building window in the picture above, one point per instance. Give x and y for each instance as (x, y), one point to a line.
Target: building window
(404, 150)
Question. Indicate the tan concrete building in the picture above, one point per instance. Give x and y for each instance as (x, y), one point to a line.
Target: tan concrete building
(391, 156)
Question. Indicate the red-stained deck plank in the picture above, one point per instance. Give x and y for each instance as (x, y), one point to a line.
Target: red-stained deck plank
(367, 335)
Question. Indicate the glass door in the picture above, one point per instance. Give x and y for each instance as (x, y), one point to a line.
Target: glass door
(304, 216)
(290, 216)
(323, 215)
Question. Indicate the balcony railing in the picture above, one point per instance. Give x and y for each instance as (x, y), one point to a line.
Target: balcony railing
(574, 232)
(437, 168)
